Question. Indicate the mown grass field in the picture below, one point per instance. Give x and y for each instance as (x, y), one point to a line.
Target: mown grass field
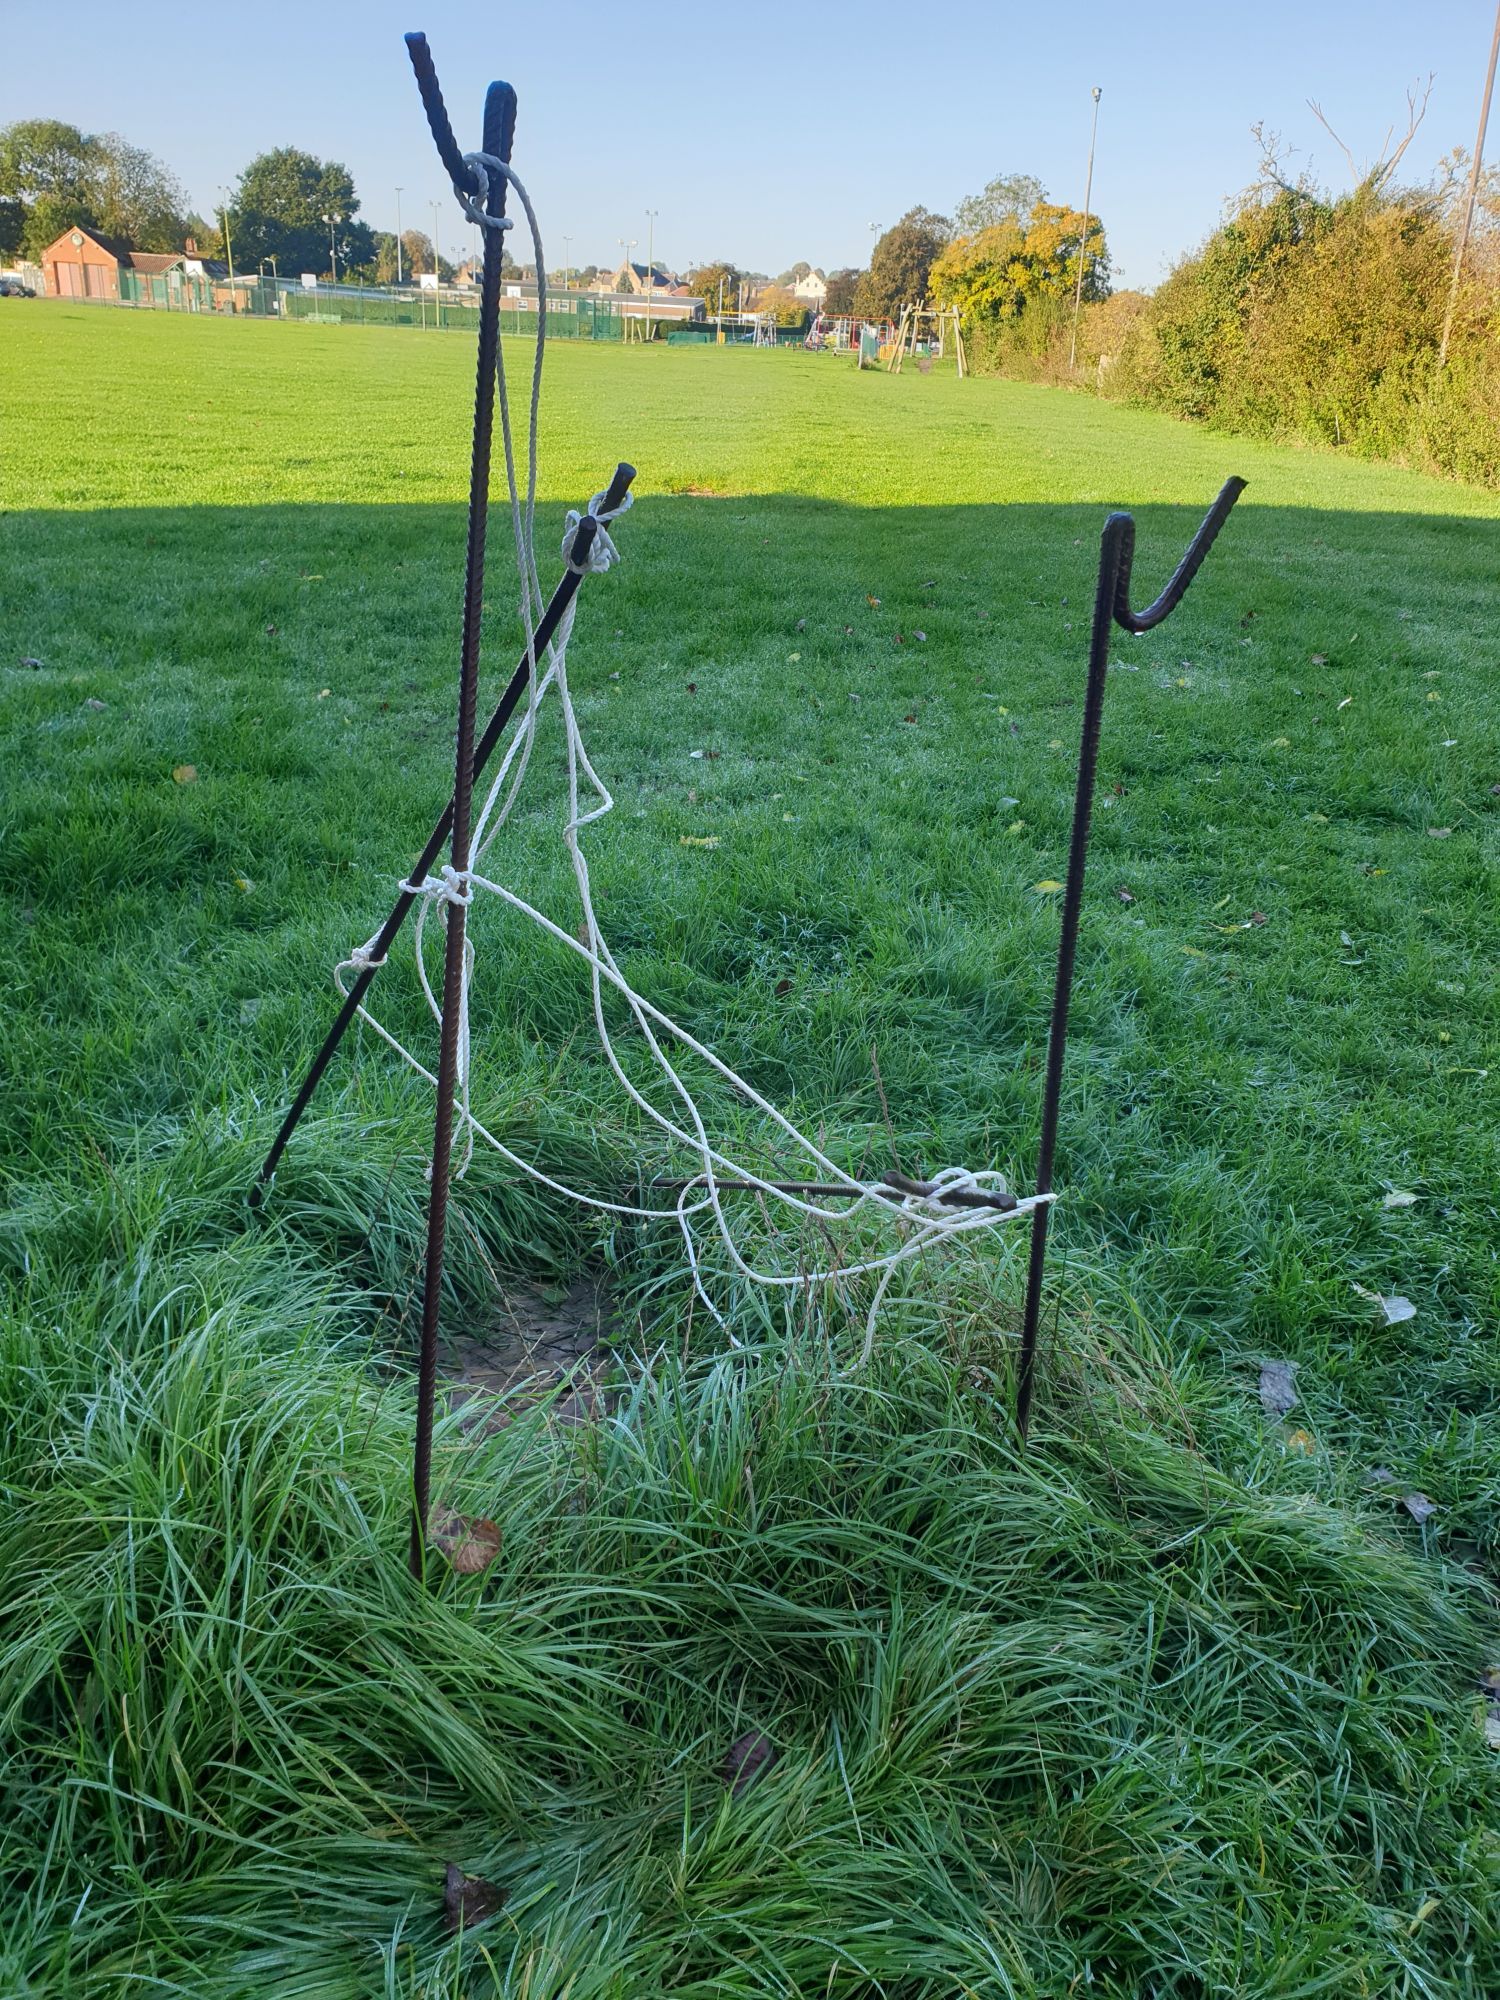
(1177, 1702)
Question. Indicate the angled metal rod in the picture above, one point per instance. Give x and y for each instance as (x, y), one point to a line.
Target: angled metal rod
(499, 137)
(494, 729)
(1111, 607)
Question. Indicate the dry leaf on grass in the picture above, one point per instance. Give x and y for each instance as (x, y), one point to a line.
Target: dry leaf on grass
(1392, 1304)
(468, 1899)
(1419, 1506)
(1047, 887)
(1301, 1442)
(745, 1759)
(468, 1545)
(1399, 1198)
(1277, 1391)
(697, 840)
(185, 774)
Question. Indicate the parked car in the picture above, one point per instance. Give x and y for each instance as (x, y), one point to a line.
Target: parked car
(12, 288)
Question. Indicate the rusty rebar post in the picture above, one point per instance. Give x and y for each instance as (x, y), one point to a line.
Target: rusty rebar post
(499, 137)
(1111, 607)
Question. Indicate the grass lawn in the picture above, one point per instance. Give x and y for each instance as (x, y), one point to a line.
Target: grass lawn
(1179, 1702)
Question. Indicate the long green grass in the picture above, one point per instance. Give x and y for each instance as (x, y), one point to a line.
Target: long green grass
(1180, 1701)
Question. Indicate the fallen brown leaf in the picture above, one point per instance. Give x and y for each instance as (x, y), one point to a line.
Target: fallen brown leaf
(468, 1899)
(1418, 1506)
(185, 774)
(468, 1545)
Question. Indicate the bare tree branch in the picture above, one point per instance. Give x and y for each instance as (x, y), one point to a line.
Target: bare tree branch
(1317, 112)
(1385, 162)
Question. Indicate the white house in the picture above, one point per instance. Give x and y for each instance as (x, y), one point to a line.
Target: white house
(813, 289)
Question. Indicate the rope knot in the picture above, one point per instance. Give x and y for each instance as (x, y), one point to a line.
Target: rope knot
(602, 553)
(365, 958)
(451, 885)
(484, 165)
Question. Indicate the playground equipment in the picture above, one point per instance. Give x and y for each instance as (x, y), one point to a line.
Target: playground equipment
(884, 1219)
(932, 331)
(847, 333)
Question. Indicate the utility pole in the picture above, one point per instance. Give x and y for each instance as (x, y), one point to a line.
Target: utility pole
(1468, 222)
(228, 245)
(398, 236)
(651, 214)
(1083, 241)
(333, 249)
(567, 264)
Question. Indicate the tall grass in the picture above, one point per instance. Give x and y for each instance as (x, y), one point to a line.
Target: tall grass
(1097, 1716)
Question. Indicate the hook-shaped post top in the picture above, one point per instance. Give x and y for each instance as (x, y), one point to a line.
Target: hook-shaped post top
(1119, 530)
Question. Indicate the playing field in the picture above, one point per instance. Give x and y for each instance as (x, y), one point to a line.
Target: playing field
(1180, 1702)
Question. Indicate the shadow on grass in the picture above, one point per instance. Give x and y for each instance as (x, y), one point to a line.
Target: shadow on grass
(236, 734)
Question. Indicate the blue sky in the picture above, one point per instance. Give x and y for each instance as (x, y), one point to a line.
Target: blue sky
(769, 131)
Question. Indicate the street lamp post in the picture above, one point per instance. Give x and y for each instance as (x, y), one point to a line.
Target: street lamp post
(627, 244)
(333, 249)
(567, 264)
(1083, 241)
(228, 243)
(398, 236)
(651, 215)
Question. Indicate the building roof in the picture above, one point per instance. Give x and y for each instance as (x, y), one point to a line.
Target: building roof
(152, 262)
(115, 245)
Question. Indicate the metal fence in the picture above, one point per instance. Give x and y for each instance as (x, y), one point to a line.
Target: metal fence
(448, 308)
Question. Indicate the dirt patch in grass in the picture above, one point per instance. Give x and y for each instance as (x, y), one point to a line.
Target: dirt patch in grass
(544, 1341)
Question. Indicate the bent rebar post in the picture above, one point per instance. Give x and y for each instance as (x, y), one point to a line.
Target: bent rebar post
(499, 137)
(1111, 607)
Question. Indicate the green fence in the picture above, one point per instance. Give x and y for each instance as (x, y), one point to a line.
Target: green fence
(445, 311)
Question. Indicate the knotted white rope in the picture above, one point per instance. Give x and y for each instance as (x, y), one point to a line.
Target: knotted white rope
(923, 1216)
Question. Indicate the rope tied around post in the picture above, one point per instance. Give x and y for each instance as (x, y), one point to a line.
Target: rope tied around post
(594, 554)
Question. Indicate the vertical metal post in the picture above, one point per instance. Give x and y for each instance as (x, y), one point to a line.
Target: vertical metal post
(1113, 555)
(1474, 172)
(499, 136)
(1083, 244)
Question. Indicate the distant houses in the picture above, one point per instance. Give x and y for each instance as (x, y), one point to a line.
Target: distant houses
(812, 289)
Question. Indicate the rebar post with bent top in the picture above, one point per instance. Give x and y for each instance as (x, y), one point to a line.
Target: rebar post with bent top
(1111, 608)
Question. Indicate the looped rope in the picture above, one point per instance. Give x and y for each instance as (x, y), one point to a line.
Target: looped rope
(365, 958)
(450, 885)
(474, 206)
(602, 553)
(918, 1214)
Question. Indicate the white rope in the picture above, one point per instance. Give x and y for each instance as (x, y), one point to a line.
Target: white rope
(924, 1218)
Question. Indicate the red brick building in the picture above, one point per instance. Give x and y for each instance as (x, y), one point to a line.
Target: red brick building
(83, 264)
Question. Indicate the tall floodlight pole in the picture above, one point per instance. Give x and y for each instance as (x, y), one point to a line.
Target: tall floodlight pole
(1467, 224)
(398, 236)
(333, 250)
(567, 243)
(651, 215)
(228, 245)
(627, 244)
(1083, 241)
